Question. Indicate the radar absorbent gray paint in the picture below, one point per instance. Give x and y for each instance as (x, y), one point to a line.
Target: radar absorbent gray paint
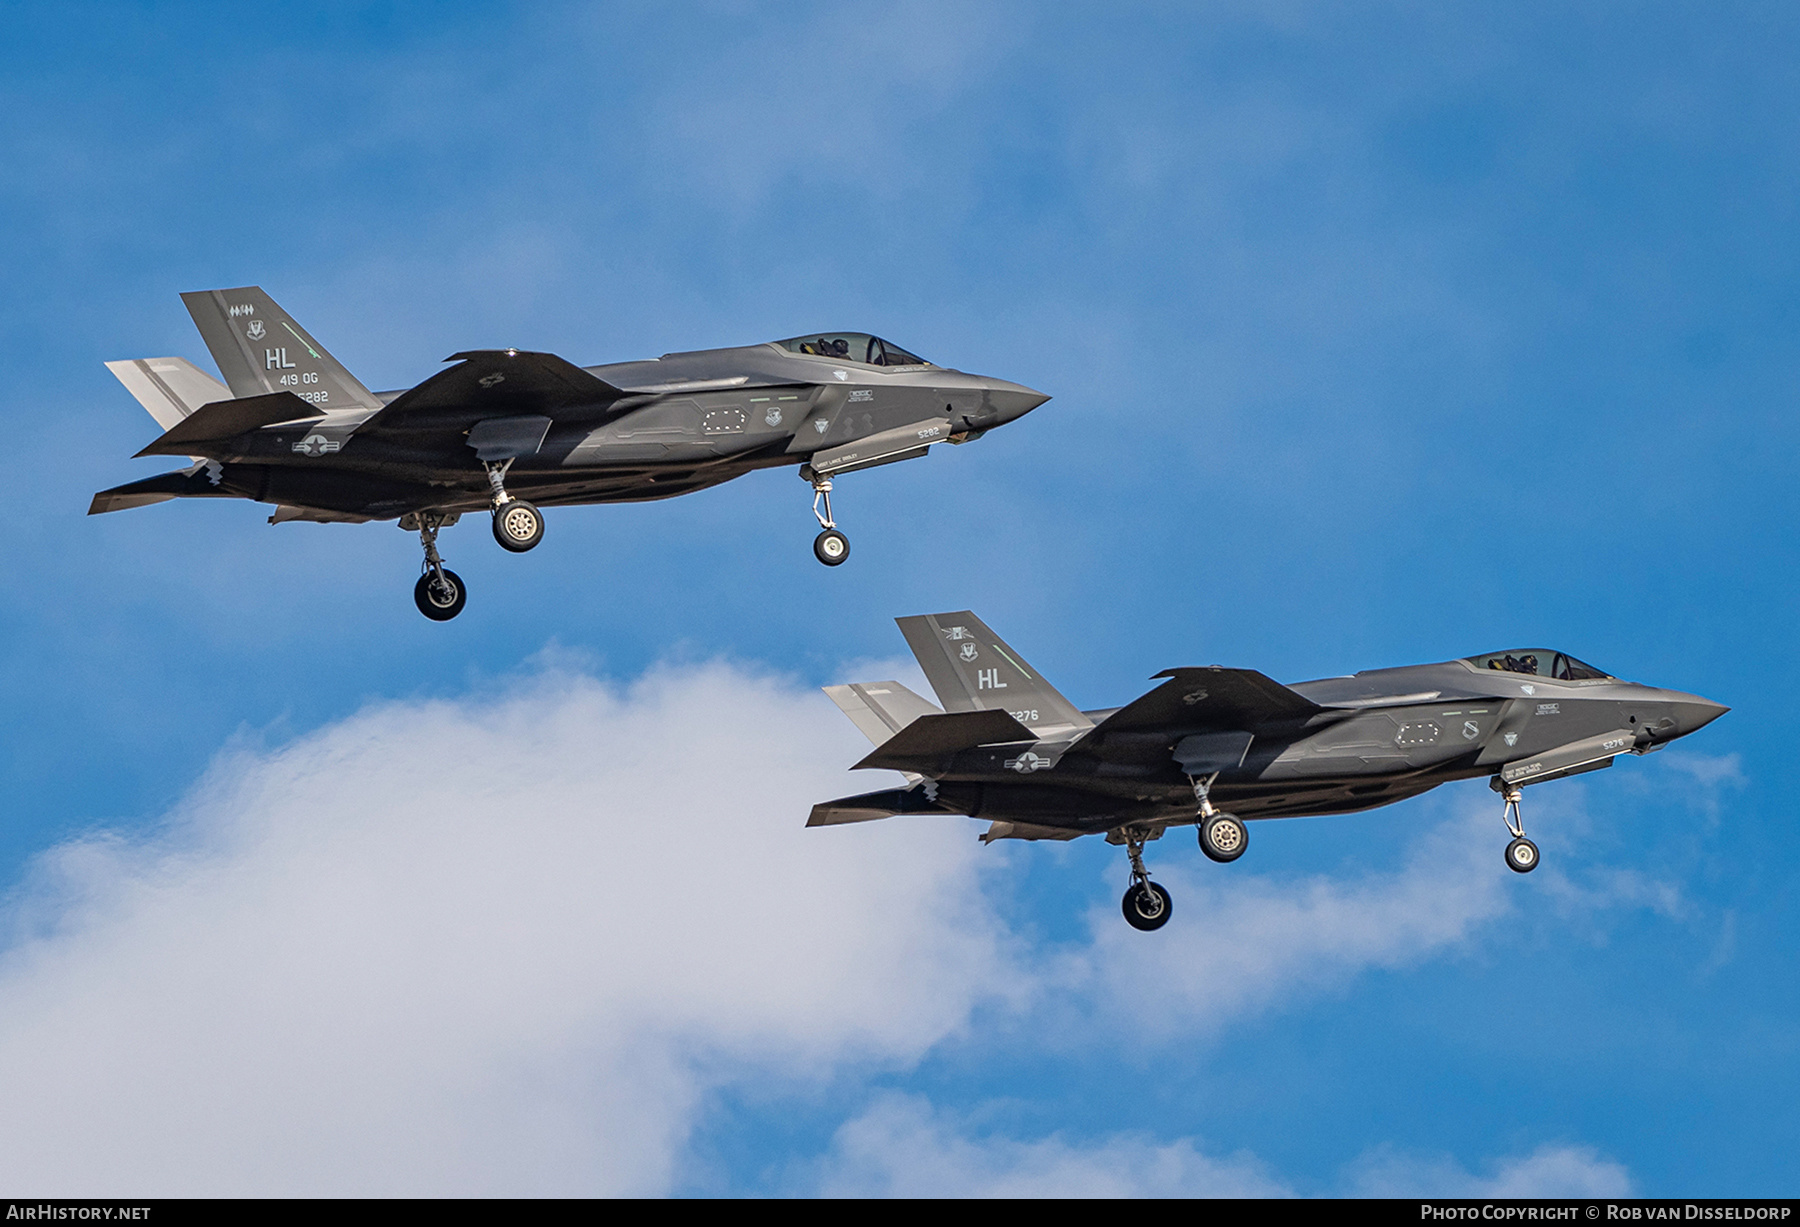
(508, 431)
(1212, 747)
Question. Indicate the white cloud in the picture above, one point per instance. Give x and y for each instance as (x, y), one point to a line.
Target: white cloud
(493, 946)
(509, 944)
(900, 1147)
(1548, 1171)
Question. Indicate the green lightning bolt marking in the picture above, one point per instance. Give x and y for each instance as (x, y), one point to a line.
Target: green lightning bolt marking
(299, 338)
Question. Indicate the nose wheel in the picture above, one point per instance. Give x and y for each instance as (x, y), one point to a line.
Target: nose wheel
(1146, 904)
(439, 594)
(1521, 853)
(830, 547)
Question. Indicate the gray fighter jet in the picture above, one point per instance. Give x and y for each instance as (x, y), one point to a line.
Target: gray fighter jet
(508, 431)
(1006, 747)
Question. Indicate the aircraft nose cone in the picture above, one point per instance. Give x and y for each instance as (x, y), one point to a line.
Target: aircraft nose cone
(1694, 713)
(1008, 402)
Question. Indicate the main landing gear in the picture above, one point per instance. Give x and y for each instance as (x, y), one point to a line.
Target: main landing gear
(1223, 837)
(1146, 905)
(830, 547)
(1521, 853)
(518, 526)
(439, 594)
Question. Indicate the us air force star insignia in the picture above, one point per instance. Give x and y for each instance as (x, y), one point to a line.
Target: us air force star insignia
(1529, 689)
(256, 331)
(1027, 763)
(841, 374)
(1194, 696)
(969, 652)
(488, 381)
(317, 445)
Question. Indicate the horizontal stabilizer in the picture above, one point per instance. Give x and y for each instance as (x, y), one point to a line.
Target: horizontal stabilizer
(1569, 759)
(872, 805)
(201, 481)
(1210, 697)
(493, 383)
(227, 419)
(880, 709)
(169, 388)
(883, 447)
(930, 740)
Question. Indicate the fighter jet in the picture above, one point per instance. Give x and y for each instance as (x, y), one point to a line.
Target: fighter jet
(508, 431)
(1213, 747)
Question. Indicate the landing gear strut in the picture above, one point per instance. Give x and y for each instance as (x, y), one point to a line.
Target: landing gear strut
(830, 547)
(518, 526)
(1146, 905)
(1521, 853)
(439, 594)
(1223, 837)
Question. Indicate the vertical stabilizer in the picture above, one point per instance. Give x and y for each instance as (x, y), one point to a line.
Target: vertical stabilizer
(973, 669)
(260, 349)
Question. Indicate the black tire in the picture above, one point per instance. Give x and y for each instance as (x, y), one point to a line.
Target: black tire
(431, 601)
(1223, 838)
(1146, 907)
(831, 547)
(518, 526)
(1521, 855)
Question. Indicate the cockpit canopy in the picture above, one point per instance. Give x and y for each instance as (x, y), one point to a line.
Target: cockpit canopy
(1539, 662)
(853, 347)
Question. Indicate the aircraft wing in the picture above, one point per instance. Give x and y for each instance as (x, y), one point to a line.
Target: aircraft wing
(493, 383)
(1210, 697)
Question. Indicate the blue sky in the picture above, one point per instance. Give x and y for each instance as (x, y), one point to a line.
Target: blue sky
(1374, 336)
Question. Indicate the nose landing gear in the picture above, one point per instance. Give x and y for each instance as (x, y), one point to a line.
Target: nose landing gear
(1521, 853)
(830, 547)
(1146, 905)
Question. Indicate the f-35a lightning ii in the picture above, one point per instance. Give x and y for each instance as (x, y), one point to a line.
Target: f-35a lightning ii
(1008, 748)
(508, 431)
